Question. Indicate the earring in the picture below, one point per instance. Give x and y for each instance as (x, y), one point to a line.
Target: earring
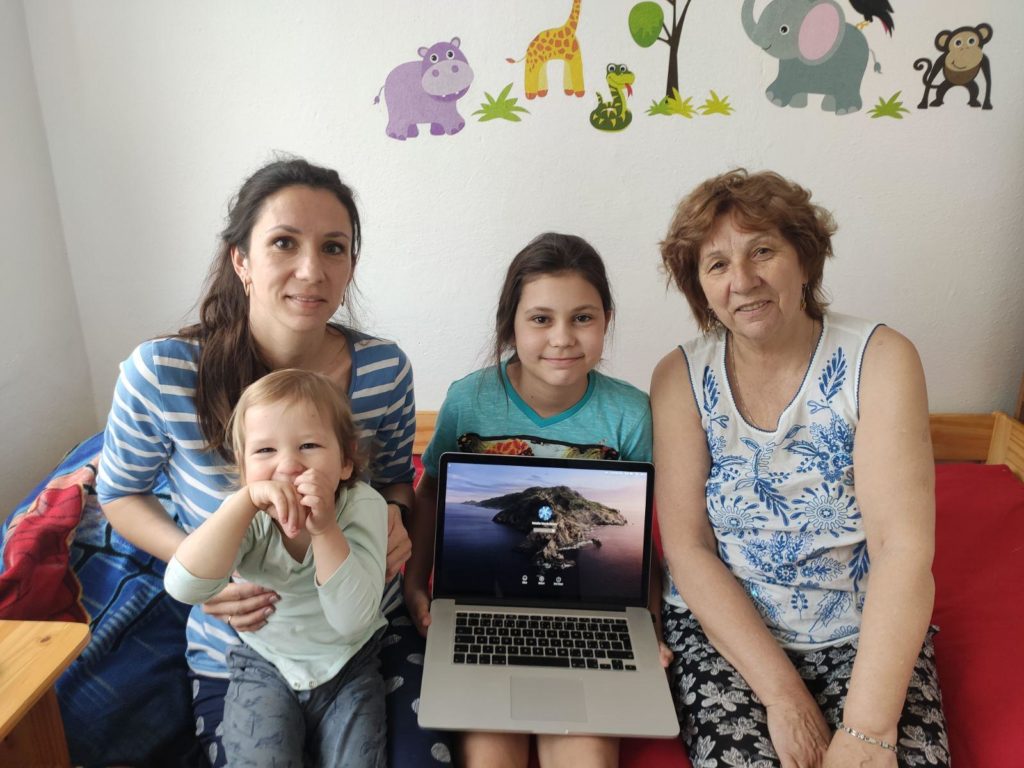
(803, 297)
(247, 286)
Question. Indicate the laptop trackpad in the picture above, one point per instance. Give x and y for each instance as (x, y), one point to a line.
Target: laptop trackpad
(537, 698)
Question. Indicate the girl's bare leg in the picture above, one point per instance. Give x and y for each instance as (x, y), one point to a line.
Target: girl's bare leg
(572, 751)
(494, 750)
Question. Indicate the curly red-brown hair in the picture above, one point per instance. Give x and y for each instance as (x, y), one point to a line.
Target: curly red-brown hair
(759, 201)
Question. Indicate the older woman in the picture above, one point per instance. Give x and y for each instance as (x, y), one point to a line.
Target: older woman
(796, 501)
(283, 268)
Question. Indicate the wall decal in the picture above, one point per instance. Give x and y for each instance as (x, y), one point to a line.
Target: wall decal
(818, 52)
(614, 115)
(503, 107)
(960, 61)
(677, 105)
(673, 105)
(554, 44)
(426, 91)
(891, 107)
(871, 8)
(715, 105)
(646, 24)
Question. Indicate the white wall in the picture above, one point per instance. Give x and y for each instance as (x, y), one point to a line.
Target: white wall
(45, 384)
(156, 111)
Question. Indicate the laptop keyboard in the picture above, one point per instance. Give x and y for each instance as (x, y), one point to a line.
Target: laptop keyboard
(582, 642)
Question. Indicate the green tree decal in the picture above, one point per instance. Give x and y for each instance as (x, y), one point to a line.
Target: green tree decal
(647, 26)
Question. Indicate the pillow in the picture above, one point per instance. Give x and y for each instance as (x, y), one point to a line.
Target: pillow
(979, 607)
(35, 581)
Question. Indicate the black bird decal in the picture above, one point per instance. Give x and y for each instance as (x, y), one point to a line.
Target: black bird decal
(872, 8)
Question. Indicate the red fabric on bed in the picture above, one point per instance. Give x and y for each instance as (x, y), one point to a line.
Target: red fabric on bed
(647, 753)
(36, 583)
(979, 606)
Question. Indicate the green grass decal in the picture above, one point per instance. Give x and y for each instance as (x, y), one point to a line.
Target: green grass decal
(503, 107)
(716, 106)
(673, 105)
(891, 108)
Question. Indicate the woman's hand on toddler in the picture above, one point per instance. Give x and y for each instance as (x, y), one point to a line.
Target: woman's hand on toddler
(243, 605)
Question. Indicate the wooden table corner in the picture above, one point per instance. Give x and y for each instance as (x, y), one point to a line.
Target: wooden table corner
(33, 654)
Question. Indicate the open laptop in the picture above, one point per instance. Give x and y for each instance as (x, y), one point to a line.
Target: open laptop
(539, 619)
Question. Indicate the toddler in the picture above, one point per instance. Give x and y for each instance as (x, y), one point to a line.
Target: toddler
(307, 684)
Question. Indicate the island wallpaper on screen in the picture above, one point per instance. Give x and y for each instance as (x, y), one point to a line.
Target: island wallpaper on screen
(543, 533)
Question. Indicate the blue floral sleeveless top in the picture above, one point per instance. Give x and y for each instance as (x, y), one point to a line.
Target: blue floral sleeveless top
(783, 503)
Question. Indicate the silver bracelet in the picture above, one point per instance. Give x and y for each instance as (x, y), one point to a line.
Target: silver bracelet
(865, 738)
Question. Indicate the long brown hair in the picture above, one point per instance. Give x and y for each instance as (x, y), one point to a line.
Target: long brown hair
(228, 358)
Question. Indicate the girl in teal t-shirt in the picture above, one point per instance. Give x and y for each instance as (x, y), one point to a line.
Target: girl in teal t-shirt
(545, 399)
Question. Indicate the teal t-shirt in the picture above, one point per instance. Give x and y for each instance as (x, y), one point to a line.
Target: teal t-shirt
(483, 413)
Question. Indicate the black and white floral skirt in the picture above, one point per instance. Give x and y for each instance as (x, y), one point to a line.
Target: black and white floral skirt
(724, 724)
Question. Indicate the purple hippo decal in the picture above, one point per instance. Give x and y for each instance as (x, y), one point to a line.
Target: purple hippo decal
(425, 91)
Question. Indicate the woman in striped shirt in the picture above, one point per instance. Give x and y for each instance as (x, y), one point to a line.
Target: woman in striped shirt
(283, 267)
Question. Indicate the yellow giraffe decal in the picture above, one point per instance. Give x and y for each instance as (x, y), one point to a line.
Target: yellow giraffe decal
(555, 43)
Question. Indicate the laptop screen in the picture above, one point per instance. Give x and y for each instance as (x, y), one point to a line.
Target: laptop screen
(543, 532)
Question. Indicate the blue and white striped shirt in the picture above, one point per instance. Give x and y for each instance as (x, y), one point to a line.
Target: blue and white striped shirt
(153, 428)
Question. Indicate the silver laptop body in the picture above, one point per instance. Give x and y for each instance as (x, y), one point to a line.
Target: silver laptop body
(539, 619)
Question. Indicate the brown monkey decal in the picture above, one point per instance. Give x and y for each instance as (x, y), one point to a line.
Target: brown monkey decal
(960, 61)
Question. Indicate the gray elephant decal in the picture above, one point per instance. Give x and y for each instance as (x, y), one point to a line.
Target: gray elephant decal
(818, 52)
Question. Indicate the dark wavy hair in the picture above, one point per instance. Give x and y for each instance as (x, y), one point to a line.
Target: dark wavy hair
(229, 360)
(760, 201)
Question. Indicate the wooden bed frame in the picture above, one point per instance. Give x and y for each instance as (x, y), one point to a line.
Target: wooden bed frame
(991, 438)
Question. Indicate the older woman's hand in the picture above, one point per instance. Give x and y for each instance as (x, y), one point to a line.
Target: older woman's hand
(799, 732)
(243, 606)
(847, 751)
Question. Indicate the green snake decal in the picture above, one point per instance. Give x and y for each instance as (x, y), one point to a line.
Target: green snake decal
(613, 115)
